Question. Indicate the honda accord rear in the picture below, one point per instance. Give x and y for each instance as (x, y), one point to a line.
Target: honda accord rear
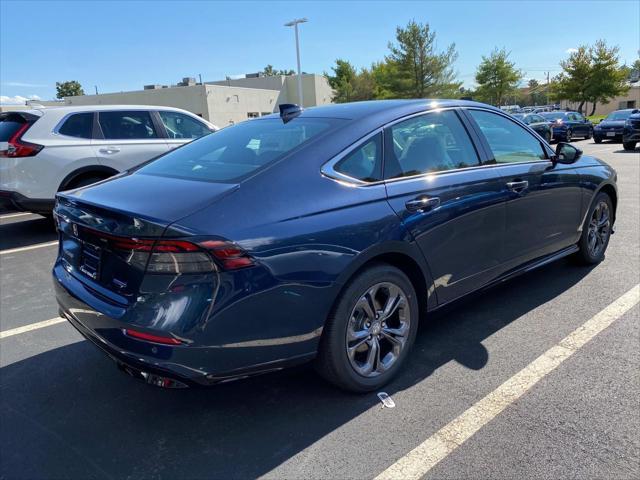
(320, 234)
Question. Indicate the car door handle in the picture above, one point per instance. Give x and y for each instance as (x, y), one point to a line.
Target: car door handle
(109, 150)
(422, 204)
(518, 186)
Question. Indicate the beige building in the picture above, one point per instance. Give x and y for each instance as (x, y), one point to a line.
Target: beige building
(630, 100)
(222, 102)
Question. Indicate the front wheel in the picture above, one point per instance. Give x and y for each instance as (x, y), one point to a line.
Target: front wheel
(370, 331)
(597, 139)
(589, 133)
(629, 145)
(547, 137)
(596, 231)
(568, 136)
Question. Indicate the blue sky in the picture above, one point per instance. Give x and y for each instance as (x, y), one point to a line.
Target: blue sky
(121, 46)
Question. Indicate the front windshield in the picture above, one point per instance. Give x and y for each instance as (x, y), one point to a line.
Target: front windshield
(237, 151)
(621, 115)
(553, 115)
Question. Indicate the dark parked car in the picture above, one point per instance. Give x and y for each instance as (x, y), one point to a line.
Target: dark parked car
(538, 123)
(631, 134)
(321, 235)
(612, 127)
(569, 125)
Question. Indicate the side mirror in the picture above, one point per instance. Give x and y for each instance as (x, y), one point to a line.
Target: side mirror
(566, 153)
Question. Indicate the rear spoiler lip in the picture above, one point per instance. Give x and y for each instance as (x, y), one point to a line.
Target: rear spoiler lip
(27, 115)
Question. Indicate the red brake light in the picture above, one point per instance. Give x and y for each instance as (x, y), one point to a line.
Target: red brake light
(231, 256)
(18, 148)
(151, 338)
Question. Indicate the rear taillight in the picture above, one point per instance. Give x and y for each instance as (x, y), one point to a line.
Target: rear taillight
(18, 148)
(176, 256)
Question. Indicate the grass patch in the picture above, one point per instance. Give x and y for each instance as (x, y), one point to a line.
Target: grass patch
(596, 118)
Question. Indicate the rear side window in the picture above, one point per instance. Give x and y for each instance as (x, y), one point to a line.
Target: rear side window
(78, 125)
(433, 142)
(236, 151)
(365, 162)
(9, 125)
(509, 142)
(127, 125)
(179, 125)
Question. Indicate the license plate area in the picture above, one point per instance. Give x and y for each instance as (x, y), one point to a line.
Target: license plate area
(90, 260)
(611, 134)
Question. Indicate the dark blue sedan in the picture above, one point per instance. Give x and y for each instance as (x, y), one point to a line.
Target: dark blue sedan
(568, 126)
(612, 127)
(325, 235)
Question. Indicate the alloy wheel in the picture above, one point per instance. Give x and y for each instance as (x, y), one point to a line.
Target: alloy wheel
(568, 136)
(599, 229)
(378, 329)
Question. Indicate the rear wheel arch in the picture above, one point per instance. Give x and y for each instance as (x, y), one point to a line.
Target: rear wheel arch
(90, 171)
(403, 258)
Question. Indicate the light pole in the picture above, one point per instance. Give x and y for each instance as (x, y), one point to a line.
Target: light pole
(294, 24)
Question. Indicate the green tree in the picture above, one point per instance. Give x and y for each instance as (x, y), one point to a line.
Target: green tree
(71, 88)
(608, 80)
(590, 74)
(497, 77)
(422, 71)
(269, 71)
(342, 81)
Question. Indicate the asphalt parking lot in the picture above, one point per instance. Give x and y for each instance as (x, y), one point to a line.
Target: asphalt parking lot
(66, 411)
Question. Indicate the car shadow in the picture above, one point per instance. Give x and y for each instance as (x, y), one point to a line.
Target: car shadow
(26, 232)
(635, 151)
(69, 413)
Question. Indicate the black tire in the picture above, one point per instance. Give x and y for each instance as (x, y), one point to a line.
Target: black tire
(589, 133)
(547, 137)
(629, 145)
(333, 362)
(586, 255)
(597, 139)
(568, 136)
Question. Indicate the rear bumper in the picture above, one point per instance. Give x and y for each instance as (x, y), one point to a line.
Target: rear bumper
(17, 201)
(604, 134)
(189, 364)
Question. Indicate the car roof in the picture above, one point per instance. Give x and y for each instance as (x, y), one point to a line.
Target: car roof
(34, 109)
(393, 108)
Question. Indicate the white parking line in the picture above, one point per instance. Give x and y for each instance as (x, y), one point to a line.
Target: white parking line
(30, 327)
(30, 247)
(434, 449)
(14, 215)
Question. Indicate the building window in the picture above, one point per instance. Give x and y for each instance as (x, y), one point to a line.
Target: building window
(253, 114)
(266, 113)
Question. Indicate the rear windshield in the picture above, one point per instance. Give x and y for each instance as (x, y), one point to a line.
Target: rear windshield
(9, 125)
(235, 152)
(553, 115)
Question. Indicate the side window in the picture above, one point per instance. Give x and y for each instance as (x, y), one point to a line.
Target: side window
(125, 125)
(365, 162)
(578, 117)
(433, 142)
(537, 119)
(509, 142)
(78, 125)
(179, 125)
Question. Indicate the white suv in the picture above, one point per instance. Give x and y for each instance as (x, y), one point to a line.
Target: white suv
(45, 150)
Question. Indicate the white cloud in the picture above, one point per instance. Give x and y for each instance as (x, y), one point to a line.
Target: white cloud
(25, 85)
(16, 99)
(571, 50)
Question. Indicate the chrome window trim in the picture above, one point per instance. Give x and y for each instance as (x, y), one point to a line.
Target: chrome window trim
(328, 168)
(328, 171)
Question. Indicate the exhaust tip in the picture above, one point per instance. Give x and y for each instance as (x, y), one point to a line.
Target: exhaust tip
(151, 378)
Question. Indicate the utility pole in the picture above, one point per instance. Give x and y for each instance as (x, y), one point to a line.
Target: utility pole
(547, 88)
(96, 87)
(294, 24)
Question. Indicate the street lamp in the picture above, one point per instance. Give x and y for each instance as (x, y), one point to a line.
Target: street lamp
(294, 24)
